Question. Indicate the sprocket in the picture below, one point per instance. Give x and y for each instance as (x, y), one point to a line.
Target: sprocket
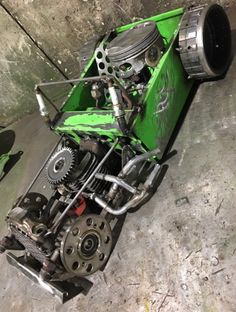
(62, 166)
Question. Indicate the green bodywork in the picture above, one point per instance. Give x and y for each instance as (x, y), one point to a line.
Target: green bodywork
(161, 103)
(3, 160)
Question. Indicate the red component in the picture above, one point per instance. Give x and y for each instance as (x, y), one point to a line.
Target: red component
(78, 208)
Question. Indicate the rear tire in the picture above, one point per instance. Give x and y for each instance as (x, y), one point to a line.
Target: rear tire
(205, 42)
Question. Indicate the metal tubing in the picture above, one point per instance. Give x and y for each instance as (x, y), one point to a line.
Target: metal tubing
(54, 226)
(54, 83)
(117, 212)
(129, 165)
(149, 182)
(136, 199)
(116, 180)
(138, 159)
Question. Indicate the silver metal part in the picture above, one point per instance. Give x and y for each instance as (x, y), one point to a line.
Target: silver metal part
(102, 60)
(117, 107)
(42, 107)
(131, 165)
(135, 200)
(128, 51)
(116, 180)
(50, 287)
(86, 245)
(19, 219)
(61, 166)
(205, 41)
(58, 221)
(132, 162)
(31, 246)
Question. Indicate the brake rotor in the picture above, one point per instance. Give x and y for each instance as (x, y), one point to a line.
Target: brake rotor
(86, 245)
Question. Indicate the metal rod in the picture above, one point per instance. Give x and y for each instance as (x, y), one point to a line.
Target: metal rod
(120, 182)
(54, 226)
(40, 170)
(85, 79)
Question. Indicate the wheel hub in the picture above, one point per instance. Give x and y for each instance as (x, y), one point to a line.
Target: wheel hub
(86, 245)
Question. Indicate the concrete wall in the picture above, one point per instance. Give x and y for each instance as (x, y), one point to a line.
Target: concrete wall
(40, 39)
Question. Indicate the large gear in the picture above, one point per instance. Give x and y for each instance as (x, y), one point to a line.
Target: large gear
(62, 166)
(72, 168)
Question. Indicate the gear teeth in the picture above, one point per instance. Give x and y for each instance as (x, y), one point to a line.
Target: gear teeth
(70, 170)
(76, 169)
(63, 230)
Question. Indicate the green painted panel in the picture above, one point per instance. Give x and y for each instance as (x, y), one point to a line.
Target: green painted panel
(166, 95)
(162, 102)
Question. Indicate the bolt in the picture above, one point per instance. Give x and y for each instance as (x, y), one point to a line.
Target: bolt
(26, 200)
(38, 199)
(75, 231)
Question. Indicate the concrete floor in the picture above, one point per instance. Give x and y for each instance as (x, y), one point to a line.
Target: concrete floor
(175, 254)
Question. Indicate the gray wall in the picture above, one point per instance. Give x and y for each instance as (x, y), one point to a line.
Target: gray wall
(40, 39)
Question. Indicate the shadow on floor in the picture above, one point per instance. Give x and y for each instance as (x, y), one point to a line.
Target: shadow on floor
(168, 153)
(7, 139)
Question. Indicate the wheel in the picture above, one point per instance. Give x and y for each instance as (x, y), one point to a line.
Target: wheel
(205, 42)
